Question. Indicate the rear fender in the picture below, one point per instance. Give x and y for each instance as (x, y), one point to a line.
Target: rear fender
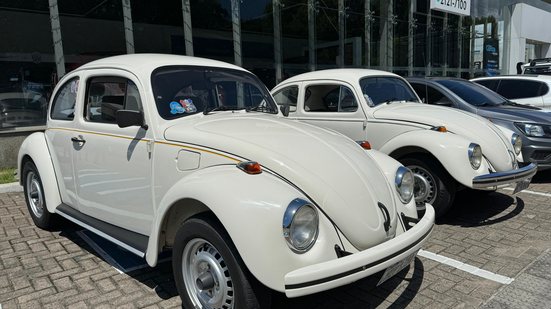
(449, 149)
(36, 148)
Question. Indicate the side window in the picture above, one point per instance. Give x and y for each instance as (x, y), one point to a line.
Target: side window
(63, 106)
(544, 89)
(329, 98)
(434, 96)
(287, 96)
(519, 89)
(421, 91)
(106, 95)
(489, 83)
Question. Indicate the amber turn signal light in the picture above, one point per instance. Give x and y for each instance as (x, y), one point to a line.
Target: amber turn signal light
(440, 129)
(250, 167)
(365, 145)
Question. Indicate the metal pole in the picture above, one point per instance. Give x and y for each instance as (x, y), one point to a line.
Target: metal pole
(188, 33)
(236, 26)
(342, 32)
(367, 32)
(460, 43)
(312, 35)
(276, 6)
(445, 50)
(56, 35)
(411, 34)
(128, 30)
(428, 56)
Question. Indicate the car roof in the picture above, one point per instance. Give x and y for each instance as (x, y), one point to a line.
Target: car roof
(519, 76)
(149, 62)
(338, 74)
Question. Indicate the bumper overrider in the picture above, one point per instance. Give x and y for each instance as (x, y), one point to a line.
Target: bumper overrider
(500, 179)
(331, 274)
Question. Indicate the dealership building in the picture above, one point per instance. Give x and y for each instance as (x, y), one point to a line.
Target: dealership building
(41, 40)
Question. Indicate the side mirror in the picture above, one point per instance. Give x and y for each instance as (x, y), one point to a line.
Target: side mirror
(443, 102)
(285, 109)
(126, 118)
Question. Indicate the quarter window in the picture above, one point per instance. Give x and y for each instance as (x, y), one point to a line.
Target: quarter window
(329, 98)
(63, 106)
(519, 89)
(287, 96)
(106, 95)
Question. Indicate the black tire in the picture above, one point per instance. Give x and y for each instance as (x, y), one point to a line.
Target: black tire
(34, 196)
(204, 239)
(429, 173)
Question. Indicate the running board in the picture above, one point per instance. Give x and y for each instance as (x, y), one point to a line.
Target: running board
(131, 241)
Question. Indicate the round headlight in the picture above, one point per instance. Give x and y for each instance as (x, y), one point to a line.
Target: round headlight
(300, 225)
(404, 182)
(475, 155)
(517, 143)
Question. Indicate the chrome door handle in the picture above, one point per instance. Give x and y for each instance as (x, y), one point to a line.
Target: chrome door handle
(78, 139)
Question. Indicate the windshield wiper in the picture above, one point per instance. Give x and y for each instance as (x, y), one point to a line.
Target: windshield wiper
(389, 101)
(207, 110)
(511, 103)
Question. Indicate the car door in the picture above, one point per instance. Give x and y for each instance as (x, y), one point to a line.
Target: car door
(112, 164)
(332, 105)
(60, 130)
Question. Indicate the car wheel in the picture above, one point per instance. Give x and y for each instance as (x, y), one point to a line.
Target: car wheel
(433, 184)
(34, 196)
(208, 271)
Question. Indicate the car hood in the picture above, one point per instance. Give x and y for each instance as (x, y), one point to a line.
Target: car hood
(495, 145)
(337, 174)
(516, 114)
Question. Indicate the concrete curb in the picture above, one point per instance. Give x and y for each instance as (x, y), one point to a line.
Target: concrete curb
(11, 187)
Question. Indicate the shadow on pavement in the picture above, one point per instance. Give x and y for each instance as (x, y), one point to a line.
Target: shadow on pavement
(360, 294)
(159, 278)
(478, 208)
(542, 177)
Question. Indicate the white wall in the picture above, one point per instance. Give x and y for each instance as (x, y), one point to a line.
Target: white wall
(527, 22)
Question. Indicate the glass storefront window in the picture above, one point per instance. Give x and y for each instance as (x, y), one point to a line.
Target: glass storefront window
(27, 65)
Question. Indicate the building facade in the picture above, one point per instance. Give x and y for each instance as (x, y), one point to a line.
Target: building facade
(41, 40)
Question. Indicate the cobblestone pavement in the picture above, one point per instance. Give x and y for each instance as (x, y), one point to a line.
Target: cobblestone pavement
(492, 231)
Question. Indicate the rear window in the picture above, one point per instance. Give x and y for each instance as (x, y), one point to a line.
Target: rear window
(520, 89)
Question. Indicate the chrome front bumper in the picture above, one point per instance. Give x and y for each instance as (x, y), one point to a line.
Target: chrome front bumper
(331, 274)
(494, 180)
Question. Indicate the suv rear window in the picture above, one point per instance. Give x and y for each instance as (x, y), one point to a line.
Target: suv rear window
(520, 89)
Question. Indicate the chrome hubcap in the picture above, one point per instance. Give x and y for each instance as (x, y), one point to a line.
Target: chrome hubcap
(424, 186)
(206, 276)
(34, 194)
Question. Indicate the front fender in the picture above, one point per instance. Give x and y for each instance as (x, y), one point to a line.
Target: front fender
(509, 134)
(451, 150)
(251, 209)
(35, 147)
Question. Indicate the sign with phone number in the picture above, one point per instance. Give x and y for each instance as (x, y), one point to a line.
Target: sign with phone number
(461, 7)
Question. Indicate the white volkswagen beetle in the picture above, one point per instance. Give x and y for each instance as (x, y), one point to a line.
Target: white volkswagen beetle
(155, 152)
(447, 149)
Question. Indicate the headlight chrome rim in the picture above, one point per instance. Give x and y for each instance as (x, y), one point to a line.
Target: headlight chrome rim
(475, 155)
(401, 174)
(289, 218)
(516, 140)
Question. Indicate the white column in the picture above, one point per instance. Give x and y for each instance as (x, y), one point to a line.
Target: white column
(445, 39)
(56, 36)
(188, 33)
(128, 30)
(276, 7)
(236, 26)
(312, 35)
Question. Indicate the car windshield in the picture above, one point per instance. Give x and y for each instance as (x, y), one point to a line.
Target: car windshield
(473, 93)
(386, 89)
(185, 90)
(542, 70)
